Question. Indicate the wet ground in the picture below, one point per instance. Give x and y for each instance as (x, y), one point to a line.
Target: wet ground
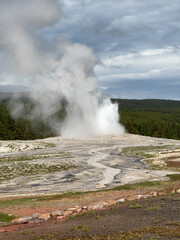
(98, 160)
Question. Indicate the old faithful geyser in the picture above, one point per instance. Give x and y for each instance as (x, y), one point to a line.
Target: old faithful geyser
(53, 69)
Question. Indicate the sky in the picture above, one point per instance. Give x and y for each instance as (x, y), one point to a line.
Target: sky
(137, 43)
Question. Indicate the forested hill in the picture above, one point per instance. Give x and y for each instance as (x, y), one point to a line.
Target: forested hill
(151, 117)
(148, 103)
(21, 127)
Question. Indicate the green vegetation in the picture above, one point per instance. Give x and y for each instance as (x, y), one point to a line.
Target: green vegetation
(151, 117)
(135, 206)
(24, 232)
(21, 127)
(12, 170)
(32, 157)
(47, 237)
(145, 151)
(174, 177)
(150, 155)
(153, 208)
(6, 218)
(82, 227)
(156, 118)
(38, 199)
(151, 233)
(146, 184)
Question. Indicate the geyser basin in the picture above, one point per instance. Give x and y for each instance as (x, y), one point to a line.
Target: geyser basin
(97, 161)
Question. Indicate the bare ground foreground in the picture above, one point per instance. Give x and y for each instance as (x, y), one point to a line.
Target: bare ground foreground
(151, 219)
(56, 173)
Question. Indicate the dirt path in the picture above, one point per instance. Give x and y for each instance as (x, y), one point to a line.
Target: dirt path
(154, 218)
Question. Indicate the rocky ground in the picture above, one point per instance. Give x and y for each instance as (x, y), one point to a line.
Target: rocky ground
(149, 219)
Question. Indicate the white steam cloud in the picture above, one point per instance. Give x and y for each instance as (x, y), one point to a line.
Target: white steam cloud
(54, 69)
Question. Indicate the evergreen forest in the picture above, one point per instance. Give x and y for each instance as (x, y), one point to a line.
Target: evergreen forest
(149, 117)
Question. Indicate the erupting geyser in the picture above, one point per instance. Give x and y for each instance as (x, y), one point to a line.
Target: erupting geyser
(53, 69)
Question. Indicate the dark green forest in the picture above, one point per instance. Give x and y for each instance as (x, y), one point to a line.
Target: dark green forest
(21, 128)
(151, 117)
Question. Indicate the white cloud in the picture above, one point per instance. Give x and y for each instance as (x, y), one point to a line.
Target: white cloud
(150, 63)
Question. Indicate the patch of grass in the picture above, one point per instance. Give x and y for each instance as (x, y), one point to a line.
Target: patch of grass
(173, 224)
(144, 151)
(156, 222)
(47, 237)
(88, 213)
(135, 206)
(82, 227)
(153, 208)
(48, 145)
(146, 184)
(32, 200)
(24, 232)
(176, 199)
(70, 218)
(33, 157)
(152, 233)
(12, 170)
(150, 152)
(154, 238)
(6, 218)
(174, 177)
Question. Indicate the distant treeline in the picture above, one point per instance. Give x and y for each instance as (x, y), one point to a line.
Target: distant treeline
(157, 118)
(21, 128)
(151, 117)
(14, 128)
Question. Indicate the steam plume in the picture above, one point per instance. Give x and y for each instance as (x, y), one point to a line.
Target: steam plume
(54, 70)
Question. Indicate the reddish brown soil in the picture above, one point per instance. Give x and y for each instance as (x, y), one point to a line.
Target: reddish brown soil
(62, 204)
(173, 164)
(157, 212)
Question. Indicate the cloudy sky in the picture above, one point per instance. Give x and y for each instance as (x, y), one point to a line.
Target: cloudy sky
(137, 42)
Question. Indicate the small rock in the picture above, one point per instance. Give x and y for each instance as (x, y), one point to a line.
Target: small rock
(178, 190)
(56, 213)
(133, 197)
(74, 214)
(121, 200)
(85, 207)
(22, 220)
(60, 217)
(16, 220)
(44, 216)
(110, 202)
(35, 216)
(154, 194)
(97, 205)
(67, 213)
(26, 219)
(72, 209)
(79, 210)
(34, 221)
